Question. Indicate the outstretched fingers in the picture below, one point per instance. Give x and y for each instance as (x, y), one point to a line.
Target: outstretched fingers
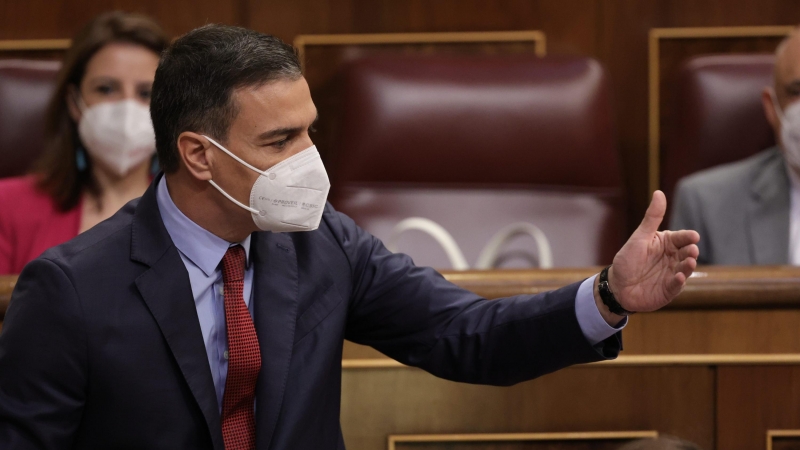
(690, 251)
(686, 267)
(683, 238)
(681, 272)
(676, 285)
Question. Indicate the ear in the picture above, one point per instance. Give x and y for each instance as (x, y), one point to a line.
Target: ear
(769, 110)
(194, 151)
(72, 96)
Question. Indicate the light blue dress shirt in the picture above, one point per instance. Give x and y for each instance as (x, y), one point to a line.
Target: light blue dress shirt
(202, 252)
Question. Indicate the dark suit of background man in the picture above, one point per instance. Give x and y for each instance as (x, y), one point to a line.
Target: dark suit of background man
(203, 316)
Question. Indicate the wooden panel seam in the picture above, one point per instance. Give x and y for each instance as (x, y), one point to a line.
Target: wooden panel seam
(34, 44)
(771, 434)
(393, 440)
(536, 36)
(627, 361)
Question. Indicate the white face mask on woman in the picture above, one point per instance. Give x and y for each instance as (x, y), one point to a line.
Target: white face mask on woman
(289, 196)
(790, 131)
(119, 134)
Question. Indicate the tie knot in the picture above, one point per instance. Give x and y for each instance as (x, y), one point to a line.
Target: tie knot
(233, 264)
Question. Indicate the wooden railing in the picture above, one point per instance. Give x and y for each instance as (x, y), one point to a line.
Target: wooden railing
(712, 287)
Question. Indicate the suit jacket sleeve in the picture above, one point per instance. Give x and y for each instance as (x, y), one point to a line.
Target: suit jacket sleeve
(415, 316)
(43, 361)
(686, 215)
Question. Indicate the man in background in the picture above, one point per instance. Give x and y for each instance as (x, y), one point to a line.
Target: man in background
(748, 212)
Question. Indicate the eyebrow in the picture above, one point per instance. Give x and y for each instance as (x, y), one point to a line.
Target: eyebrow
(284, 131)
(103, 79)
(794, 84)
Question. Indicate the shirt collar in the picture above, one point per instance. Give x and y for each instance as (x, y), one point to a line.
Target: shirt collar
(201, 246)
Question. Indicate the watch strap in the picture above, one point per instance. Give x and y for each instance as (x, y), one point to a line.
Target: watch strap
(608, 297)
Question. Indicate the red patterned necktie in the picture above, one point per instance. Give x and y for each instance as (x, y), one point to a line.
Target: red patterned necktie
(244, 358)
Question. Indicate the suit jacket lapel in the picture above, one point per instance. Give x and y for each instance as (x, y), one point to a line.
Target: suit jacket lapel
(275, 293)
(166, 290)
(768, 213)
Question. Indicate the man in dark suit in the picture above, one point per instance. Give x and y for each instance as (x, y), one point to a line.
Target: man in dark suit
(196, 318)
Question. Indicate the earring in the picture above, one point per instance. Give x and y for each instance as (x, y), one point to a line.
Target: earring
(155, 167)
(80, 159)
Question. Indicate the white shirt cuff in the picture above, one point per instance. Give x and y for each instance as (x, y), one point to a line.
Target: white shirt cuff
(594, 327)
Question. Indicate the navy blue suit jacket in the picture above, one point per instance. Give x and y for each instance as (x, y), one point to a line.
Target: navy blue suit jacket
(101, 347)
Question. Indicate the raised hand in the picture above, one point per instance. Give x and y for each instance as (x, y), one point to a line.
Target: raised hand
(651, 269)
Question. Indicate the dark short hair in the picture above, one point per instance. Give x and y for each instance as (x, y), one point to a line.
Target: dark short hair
(198, 74)
(57, 170)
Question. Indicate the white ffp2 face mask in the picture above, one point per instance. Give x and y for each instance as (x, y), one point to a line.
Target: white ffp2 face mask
(120, 134)
(289, 196)
(790, 131)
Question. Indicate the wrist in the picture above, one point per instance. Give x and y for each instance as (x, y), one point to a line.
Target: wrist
(610, 318)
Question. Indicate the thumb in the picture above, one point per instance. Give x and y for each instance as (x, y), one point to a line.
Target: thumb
(654, 214)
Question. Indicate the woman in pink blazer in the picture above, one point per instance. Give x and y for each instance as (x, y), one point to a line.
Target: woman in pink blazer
(99, 140)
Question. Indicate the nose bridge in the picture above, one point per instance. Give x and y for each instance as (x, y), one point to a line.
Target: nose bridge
(130, 91)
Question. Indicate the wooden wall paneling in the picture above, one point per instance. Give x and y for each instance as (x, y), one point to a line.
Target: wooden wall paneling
(622, 41)
(669, 48)
(34, 44)
(518, 441)
(752, 400)
(713, 332)
(783, 439)
(57, 19)
(44, 49)
(427, 40)
(678, 360)
(377, 402)
(572, 22)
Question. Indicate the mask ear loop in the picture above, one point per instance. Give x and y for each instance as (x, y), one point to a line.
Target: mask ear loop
(240, 160)
(254, 211)
(775, 103)
(221, 191)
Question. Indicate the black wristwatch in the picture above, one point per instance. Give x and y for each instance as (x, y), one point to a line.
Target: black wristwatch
(608, 297)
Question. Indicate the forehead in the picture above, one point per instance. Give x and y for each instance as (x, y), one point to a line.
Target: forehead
(122, 60)
(277, 104)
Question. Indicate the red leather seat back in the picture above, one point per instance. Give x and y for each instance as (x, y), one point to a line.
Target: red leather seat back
(487, 120)
(717, 114)
(475, 143)
(25, 90)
